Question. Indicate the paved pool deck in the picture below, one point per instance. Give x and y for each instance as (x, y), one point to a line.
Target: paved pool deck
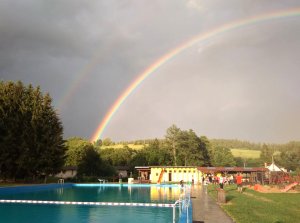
(205, 209)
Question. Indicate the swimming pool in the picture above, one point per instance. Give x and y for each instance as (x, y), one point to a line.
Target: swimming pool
(110, 194)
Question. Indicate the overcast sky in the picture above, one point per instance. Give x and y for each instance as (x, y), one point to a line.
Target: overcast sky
(243, 84)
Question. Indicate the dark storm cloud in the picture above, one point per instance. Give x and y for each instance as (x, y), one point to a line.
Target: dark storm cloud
(52, 43)
(240, 85)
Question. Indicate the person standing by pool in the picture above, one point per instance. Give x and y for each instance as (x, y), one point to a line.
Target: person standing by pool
(205, 183)
(239, 182)
(231, 179)
(181, 183)
(210, 178)
(221, 182)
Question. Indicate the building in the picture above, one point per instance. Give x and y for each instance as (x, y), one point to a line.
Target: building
(122, 171)
(67, 172)
(168, 174)
(175, 174)
(250, 174)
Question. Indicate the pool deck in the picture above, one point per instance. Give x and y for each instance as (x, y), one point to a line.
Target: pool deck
(205, 209)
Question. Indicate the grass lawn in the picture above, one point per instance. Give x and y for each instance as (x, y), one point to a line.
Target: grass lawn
(255, 207)
(246, 153)
(120, 146)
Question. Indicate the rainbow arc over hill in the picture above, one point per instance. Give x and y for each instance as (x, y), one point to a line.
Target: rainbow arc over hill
(287, 13)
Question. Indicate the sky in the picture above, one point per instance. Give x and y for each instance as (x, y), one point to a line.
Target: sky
(242, 84)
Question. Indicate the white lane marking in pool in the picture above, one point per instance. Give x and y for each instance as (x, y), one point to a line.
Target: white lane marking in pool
(88, 203)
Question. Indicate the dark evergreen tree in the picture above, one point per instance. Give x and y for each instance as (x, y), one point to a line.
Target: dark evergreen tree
(11, 127)
(31, 139)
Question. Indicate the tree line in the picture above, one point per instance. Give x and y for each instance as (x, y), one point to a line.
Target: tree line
(179, 147)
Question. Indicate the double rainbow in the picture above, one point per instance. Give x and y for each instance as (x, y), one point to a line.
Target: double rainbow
(201, 37)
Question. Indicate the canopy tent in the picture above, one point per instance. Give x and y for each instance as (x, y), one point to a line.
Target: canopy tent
(273, 168)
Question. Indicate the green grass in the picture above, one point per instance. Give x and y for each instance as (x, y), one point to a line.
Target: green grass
(120, 146)
(246, 153)
(243, 153)
(255, 207)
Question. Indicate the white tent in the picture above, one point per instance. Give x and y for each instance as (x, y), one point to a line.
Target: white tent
(273, 168)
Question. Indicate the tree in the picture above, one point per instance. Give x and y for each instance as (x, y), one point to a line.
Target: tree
(205, 147)
(76, 149)
(221, 156)
(118, 157)
(194, 149)
(108, 155)
(84, 155)
(290, 159)
(98, 143)
(12, 99)
(49, 131)
(157, 154)
(31, 141)
(186, 147)
(172, 141)
(139, 159)
(107, 142)
(189, 152)
(266, 154)
(90, 163)
(247, 162)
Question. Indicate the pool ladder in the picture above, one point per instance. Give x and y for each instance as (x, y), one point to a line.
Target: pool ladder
(176, 204)
(184, 202)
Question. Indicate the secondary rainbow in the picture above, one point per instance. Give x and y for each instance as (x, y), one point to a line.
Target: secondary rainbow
(79, 78)
(293, 12)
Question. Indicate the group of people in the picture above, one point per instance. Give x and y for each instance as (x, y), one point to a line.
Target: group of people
(222, 179)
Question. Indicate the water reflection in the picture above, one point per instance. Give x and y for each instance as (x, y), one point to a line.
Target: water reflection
(165, 194)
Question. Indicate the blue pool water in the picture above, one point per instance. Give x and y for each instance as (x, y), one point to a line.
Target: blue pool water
(17, 213)
(36, 213)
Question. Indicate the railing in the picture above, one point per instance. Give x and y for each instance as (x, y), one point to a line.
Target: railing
(176, 204)
(184, 207)
(103, 181)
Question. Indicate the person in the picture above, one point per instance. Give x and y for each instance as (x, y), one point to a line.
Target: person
(205, 183)
(231, 179)
(221, 182)
(210, 178)
(239, 182)
(181, 183)
(216, 179)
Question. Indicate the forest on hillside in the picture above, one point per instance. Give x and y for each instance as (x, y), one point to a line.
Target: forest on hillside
(228, 143)
(286, 155)
(185, 147)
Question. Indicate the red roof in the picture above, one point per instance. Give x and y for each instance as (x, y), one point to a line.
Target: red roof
(231, 169)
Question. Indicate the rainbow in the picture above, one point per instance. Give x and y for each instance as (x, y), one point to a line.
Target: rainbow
(77, 81)
(293, 12)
